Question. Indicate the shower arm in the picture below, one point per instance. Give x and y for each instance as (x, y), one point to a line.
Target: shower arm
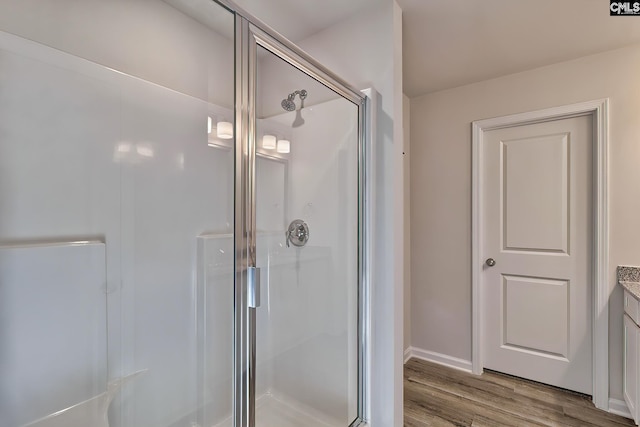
(301, 93)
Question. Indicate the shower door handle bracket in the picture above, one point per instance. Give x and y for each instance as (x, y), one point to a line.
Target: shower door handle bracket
(253, 287)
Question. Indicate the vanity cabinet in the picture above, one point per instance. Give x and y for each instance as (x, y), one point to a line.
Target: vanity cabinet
(631, 382)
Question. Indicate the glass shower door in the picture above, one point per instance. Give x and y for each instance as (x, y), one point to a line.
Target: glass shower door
(306, 248)
(116, 214)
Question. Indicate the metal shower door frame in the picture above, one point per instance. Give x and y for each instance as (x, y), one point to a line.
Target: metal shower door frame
(249, 34)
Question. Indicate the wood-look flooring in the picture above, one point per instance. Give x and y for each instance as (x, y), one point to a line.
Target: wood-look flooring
(437, 396)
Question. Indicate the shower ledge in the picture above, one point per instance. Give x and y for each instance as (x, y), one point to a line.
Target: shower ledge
(92, 412)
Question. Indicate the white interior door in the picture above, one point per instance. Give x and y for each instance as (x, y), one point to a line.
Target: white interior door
(537, 227)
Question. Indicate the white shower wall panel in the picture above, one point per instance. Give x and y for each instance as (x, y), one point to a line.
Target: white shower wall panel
(53, 339)
(311, 350)
(215, 326)
(272, 179)
(57, 132)
(155, 40)
(90, 153)
(176, 187)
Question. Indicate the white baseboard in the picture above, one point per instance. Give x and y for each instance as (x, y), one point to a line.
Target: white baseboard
(439, 358)
(407, 354)
(619, 407)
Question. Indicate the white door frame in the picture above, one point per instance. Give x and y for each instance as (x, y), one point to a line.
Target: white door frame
(600, 255)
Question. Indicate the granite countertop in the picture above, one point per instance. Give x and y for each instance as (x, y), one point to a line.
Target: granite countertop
(629, 279)
(632, 287)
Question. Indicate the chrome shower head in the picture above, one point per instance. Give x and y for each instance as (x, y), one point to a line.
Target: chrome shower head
(288, 104)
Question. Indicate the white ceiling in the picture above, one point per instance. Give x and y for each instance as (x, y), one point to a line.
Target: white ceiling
(448, 43)
(451, 43)
(298, 19)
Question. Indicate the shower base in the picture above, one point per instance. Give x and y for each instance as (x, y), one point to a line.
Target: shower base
(278, 411)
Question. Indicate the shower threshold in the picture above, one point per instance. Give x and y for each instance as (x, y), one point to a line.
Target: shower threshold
(278, 411)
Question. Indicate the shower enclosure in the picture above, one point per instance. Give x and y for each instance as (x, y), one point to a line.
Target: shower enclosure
(182, 223)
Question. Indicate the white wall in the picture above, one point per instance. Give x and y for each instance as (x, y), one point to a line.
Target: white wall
(367, 51)
(441, 187)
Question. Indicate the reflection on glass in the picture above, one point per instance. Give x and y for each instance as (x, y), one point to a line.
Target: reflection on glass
(269, 142)
(224, 130)
(284, 146)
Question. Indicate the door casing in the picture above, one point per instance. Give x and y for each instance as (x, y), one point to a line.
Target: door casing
(598, 109)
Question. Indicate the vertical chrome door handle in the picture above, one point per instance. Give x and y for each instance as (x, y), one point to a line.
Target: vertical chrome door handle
(253, 287)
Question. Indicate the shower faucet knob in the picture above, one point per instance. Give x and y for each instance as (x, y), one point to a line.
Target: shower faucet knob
(298, 233)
